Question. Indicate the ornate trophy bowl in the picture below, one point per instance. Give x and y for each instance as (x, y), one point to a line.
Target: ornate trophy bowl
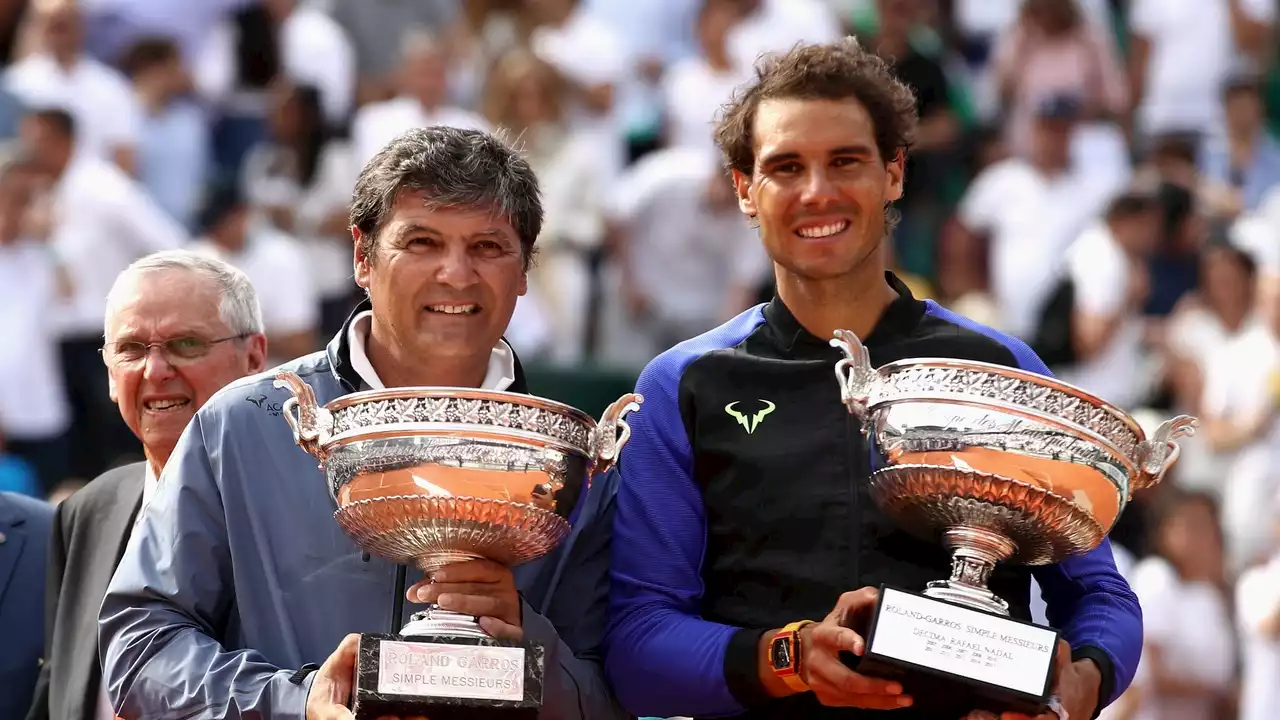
(998, 465)
(430, 476)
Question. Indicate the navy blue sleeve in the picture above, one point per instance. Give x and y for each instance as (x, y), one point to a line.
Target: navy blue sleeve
(661, 657)
(1086, 596)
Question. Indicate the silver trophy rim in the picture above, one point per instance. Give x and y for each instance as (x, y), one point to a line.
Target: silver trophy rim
(461, 393)
(890, 368)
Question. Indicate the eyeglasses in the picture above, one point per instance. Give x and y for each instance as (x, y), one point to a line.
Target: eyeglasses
(176, 350)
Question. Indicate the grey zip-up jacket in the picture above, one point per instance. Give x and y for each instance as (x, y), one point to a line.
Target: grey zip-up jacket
(237, 574)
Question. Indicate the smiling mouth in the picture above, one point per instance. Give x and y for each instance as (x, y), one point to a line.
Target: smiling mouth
(822, 231)
(454, 309)
(163, 406)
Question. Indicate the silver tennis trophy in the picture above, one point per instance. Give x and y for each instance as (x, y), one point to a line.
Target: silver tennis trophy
(433, 476)
(999, 465)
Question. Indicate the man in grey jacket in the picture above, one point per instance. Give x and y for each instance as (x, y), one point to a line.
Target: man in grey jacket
(238, 580)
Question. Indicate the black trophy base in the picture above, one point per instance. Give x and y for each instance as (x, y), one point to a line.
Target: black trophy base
(952, 659)
(447, 678)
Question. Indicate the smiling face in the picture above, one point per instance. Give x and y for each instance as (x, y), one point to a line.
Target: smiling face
(819, 186)
(443, 283)
(158, 394)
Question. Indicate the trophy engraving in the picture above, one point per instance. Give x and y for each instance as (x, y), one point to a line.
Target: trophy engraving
(998, 465)
(433, 476)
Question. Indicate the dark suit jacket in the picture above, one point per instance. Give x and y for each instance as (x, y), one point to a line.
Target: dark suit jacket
(24, 537)
(90, 531)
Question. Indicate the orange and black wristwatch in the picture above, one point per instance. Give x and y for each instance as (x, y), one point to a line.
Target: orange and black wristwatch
(784, 655)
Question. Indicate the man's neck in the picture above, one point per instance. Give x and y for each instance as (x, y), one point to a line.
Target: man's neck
(853, 302)
(66, 61)
(397, 370)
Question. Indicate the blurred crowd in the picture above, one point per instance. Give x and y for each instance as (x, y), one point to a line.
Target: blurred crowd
(1100, 178)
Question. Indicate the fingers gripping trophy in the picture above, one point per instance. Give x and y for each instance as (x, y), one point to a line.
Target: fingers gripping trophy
(433, 476)
(998, 465)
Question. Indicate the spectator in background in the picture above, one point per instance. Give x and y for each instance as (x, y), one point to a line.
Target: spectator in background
(1031, 209)
(1175, 266)
(423, 84)
(1107, 269)
(1219, 318)
(34, 415)
(98, 221)
(1238, 413)
(173, 152)
(1183, 50)
(1053, 49)
(695, 87)
(594, 61)
(526, 99)
(1242, 163)
(233, 74)
(929, 161)
(1188, 654)
(60, 75)
(687, 258)
(24, 540)
(298, 179)
(315, 51)
(372, 27)
(275, 264)
(1258, 618)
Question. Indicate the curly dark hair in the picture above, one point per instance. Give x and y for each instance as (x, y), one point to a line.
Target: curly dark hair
(841, 70)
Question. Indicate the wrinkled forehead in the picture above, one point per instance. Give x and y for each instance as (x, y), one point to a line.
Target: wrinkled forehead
(164, 304)
(418, 209)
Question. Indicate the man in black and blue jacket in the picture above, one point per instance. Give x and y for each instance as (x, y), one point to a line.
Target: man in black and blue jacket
(743, 502)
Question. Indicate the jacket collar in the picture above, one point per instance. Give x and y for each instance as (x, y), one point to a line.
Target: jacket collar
(339, 353)
(900, 318)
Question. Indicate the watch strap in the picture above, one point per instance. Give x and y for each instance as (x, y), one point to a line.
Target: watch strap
(790, 673)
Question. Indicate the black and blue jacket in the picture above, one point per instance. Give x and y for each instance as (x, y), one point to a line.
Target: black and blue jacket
(743, 505)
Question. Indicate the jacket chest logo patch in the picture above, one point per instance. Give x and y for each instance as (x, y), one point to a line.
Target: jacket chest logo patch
(749, 423)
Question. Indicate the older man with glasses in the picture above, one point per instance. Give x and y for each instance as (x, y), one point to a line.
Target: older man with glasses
(179, 326)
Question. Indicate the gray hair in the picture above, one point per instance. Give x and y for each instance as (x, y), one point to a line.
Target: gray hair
(457, 168)
(238, 306)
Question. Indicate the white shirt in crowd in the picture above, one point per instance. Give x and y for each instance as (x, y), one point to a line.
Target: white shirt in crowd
(102, 221)
(1258, 599)
(1240, 378)
(33, 403)
(1032, 220)
(777, 26)
(1191, 624)
(377, 124)
(1099, 270)
(1192, 53)
(276, 265)
(586, 50)
(329, 257)
(693, 94)
(107, 114)
(685, 255)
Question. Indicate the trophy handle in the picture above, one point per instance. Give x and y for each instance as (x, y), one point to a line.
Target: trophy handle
(854, 373)
(311, 424)
(1158, 453)
(606, 441)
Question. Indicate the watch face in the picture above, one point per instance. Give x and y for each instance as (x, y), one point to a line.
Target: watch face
(782, 653)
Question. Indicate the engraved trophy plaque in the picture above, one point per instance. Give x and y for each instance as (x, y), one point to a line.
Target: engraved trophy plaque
(433, 476)
(998, 465)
